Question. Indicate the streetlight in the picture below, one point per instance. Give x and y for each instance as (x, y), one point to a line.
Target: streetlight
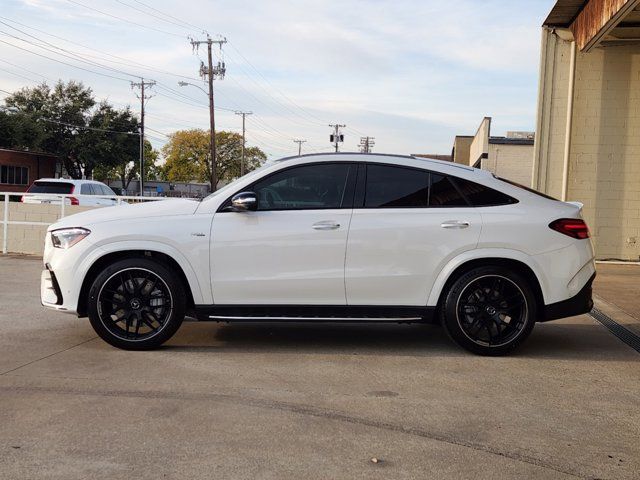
(212, 133)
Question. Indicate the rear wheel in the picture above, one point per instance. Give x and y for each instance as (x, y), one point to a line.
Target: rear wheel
(489, 310)
(136, 304)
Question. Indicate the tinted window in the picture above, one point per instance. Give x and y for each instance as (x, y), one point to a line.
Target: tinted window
(481, 196)
(51, 187)
(106, 190)
(443, 193)
(395, 187)
(304, 188)
(530, 190)
(86, 189)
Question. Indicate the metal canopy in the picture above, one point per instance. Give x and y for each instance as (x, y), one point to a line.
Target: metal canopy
(564, 12)
(582, 17)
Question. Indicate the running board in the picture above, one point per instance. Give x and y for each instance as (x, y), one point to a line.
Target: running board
(313, 313)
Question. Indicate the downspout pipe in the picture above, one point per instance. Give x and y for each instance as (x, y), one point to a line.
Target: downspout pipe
(569, 123)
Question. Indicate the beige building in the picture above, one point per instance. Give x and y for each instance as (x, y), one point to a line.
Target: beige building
(587, 146)
(510, 157)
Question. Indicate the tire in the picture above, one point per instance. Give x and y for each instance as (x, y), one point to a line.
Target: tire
(489, 310)
(136, 304)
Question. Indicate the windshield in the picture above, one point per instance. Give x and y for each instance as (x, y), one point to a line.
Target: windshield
(51, 187)
(231, 186)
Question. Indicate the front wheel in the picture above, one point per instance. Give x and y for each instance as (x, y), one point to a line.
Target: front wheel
(489, 310)
(136, 304)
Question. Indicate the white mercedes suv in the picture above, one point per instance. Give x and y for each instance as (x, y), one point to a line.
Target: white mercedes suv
(330, 237)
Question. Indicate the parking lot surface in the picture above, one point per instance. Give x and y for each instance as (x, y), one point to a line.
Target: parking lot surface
(308, 401)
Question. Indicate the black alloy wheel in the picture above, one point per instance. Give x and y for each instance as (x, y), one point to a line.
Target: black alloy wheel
(136, 304)
(489, 310)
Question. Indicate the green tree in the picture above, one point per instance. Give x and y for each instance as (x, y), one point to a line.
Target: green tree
(188, 158)
(57, 110)
(127, 169)
(19, 130)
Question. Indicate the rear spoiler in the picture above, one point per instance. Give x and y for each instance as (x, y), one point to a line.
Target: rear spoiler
(580, 205)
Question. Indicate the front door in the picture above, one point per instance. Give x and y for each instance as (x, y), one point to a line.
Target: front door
(291, 250)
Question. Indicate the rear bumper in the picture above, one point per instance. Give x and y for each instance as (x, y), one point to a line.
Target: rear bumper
(580, 303)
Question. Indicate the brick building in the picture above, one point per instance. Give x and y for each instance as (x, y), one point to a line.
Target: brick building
(588, 130)
(20, 169)
(510, 157)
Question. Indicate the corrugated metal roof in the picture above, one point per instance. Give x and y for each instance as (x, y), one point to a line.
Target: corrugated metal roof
(564, 12)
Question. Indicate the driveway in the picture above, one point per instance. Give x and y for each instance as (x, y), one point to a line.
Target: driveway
(308, 401)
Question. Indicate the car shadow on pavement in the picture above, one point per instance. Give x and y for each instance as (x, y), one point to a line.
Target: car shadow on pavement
(574, 341)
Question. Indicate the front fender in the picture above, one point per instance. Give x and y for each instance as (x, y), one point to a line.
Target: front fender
(200, 295)
(470, 255)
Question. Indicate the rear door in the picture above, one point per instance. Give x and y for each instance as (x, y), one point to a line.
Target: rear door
(406, 225)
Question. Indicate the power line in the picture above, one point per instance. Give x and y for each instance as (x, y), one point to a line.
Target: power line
(62, 62)
(25, 69)
(149, 13)
(124, 19)
(126, 62)
(273, 86)
(19, 75)
(72, 55)
(171, 16)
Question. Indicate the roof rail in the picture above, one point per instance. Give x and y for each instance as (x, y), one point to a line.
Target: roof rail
(293, 157)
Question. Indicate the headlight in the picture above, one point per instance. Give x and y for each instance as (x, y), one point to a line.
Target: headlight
(68, 237)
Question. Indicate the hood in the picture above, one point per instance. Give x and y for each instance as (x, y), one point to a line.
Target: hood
(125, 211)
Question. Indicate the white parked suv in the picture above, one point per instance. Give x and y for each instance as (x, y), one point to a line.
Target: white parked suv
(337, 237)
(86, 191)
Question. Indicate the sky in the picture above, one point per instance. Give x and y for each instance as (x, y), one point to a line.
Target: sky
(411, 73)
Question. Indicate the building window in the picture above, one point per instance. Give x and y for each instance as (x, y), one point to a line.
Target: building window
(14, 175)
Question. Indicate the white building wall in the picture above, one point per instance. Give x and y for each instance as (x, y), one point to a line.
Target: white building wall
(513, 162)
(604, 161)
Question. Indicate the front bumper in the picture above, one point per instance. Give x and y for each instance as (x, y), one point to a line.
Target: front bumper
(580, 303)
(50, 293)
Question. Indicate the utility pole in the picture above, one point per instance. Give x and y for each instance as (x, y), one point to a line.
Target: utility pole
(244, 114)
(366, 144)
(337, 136)
(143, 97)
(211, 72)
(299, 142)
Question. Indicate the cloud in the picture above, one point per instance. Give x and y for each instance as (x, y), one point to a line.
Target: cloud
(413, 73)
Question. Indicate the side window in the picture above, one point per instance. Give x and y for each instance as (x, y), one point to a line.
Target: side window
(481, 196)
(396, 187)
(107, 190)
(85, 189)
(306, 187)
(443, 193)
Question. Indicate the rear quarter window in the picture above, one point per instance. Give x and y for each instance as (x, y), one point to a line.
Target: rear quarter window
(481, 195)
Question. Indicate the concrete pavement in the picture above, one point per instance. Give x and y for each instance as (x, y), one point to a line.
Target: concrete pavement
(312, 401)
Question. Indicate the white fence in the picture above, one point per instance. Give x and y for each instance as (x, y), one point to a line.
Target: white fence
(40, 214)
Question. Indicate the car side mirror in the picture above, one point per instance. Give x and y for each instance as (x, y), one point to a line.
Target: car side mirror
(244, 202)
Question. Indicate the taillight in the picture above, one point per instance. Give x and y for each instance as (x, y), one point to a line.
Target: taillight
(573, 227)
(74, 200)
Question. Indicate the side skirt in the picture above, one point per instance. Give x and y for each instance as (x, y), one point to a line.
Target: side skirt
(314, 313)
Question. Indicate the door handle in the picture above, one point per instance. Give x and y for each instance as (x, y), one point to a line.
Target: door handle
(326, 225)
(455, 224)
